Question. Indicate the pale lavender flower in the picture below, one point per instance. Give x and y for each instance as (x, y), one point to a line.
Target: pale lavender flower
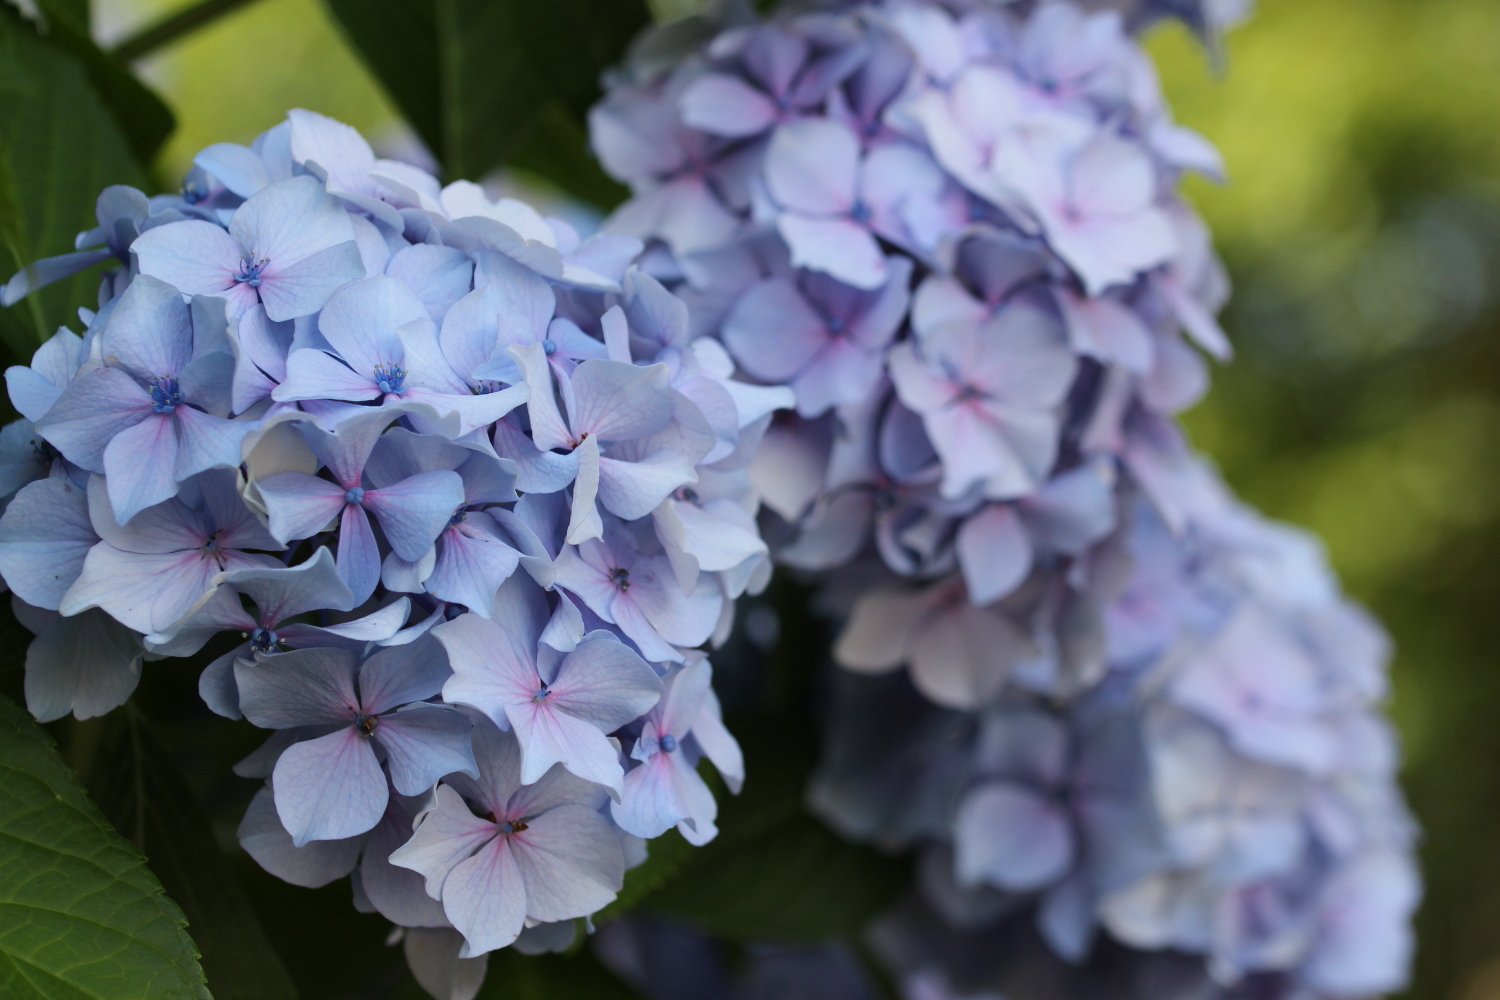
(412, 512)
(472, 555)
(538, 851)
(640, 594)
(87, 664)
(45, 535)
(56, 363)
(289, 247)
(825, 339)
(245, 170)
(279, 593)
(155, 415)
(988, 396)
(788, 70)
(638, 136)
(387, 350)
(958, 655)
(664, 790)
(559, 706)
(122, 212)
(1095, 201)
(615, 411)
(332, 786)
(998, 544)
(150, 572)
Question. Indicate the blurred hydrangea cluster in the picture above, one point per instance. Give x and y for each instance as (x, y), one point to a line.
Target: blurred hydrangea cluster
(454, 494)
(1119, 711)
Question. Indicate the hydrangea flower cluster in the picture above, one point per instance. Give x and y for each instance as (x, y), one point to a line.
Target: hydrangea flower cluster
(452, 493)
(1126, 703)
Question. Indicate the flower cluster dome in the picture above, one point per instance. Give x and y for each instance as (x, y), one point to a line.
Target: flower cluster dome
(463, 485)
(1085, 683)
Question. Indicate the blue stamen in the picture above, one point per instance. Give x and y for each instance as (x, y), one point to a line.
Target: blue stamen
(667, 742)
(354, 494)
(192, 193)
(458, 517)
(164, 393)
(688, 494)
(512, 826)
(263, 640)
(620, 577)
(836, 325)
(540, 695)
(860, 212)
(250, 270)
(549, 345)
(390, 377)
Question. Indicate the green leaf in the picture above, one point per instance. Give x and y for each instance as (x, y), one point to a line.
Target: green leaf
(478, 79)
(775, 873)
(141, 115)
(59, 146)
(513, 976)
(81, 917)
(136, 785)
(668, 853)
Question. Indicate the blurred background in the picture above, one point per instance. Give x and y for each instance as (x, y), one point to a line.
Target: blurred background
(1361, 225)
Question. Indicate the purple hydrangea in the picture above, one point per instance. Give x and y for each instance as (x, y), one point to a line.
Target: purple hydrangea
(953, 231)
(443, 466)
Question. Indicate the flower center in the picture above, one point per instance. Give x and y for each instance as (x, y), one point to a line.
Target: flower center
(250, 270)
(164, 393)
(513, 826)
(860, 212)
(366, 724)
(192, 193)
(549, 346)
(620, 577)
(688, 494)
(667, 742)
(836, 324)
(264, 640)
(390, 377)
(42, 452)
(459, 516)
(540, 695)
(354, 495)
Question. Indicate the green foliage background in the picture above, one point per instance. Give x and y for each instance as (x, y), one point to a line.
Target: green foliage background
(1361, 226)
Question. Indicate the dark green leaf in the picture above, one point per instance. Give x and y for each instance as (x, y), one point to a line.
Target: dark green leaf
(477, 78)
(398, 41)
(513, 976)
(59, 146)
(141, 791)
(557, 151)
(145, 120)
(80, 914)
(775, 872)
(669, 853)
(182, 21)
